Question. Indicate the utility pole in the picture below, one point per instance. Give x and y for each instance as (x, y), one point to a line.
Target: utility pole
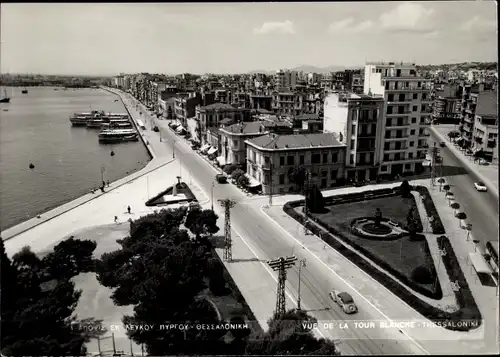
(306, 191)
(281, 265)
(227, 203)
(302, 263)
(435, 152)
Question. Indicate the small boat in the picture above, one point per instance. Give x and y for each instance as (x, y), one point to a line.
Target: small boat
(5, 99)
(118, 135)
(24, 91)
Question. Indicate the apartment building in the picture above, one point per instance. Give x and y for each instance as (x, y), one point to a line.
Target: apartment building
(406, 115)
(212, 115)
(271, 159)
(285, 79)
(357, 121)
(313, 78)
(287, 103)
(486, 136)
(447, 103)
(475, 101)
(261, 101)
(233, 147)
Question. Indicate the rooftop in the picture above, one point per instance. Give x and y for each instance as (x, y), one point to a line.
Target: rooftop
(300, 141)
(254, 127)
(218, 106)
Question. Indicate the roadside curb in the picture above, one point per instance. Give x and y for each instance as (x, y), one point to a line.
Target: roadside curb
(468, 166)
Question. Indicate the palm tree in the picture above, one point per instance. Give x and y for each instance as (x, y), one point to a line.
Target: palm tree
(441, 181)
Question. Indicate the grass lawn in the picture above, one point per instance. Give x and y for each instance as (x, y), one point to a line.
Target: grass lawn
(401, 254)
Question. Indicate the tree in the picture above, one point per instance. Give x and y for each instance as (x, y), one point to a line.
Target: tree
(229, 169)
(405, 189)
(216, 281)
(314, 200)
(201, 222)
(236, 174)
(290, 334)
(298, 175)
(453, 134)
(243, 181)
(411, 222)
(478, 155)
(38, 303)
(162, 272)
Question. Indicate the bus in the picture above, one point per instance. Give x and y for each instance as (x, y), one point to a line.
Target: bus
(492, 250)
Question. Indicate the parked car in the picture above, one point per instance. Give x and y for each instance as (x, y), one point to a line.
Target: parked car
(156, 129)
(345, 301)
(220, 178)
(439, 159)
(480, 186)
(442, 144)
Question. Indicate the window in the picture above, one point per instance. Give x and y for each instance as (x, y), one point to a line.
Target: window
(413, 120)
(415, 95)
(282, 161)
(290, 160)
(386, 157)
(325, 158)
(235, 144)
(237, 158)
(388, 122)
(387, 134)
(352, 159)
(324, 173)
(316, 158)
(389, 109)
(424, 96)
(410, 155)
(301, 159)
(412, 132)
(353, 129)
(387, 146)
(401, 109)
(401, 97)
(353, 144)
(400, 121)
(407, 166)
(282, 179)
(412, 143)
(266, 159)
(383, 168)
(390, 98)
(333, 174)
(398, 145)
(415, 108)
(335, 157)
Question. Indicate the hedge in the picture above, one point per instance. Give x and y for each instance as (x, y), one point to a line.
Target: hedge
(436, 224)
(467, 310)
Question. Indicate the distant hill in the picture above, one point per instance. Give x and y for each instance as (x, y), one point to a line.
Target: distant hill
(311, 69)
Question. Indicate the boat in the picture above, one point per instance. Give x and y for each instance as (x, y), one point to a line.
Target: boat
(95, 123)
(118, 135)
(81, 118)
(5, 99)
(24, 91)
(117, 125)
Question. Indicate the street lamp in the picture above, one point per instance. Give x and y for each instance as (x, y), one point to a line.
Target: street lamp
(302, 263)
(103, 168)
(173, 149)
(468, 227)
(212, 194)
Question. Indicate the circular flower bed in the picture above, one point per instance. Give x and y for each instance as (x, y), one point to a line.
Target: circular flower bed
(364, 227)
(372, 228)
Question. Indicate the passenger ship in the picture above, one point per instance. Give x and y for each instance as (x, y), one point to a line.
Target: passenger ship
(118, 135)
(81, 119)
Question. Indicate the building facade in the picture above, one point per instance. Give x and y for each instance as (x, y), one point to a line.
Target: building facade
(406, 115)
(213, 114)
(272, 158)
(486, 136)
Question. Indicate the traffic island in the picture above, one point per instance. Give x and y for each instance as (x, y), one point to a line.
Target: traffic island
(402, 264)
(177, 193)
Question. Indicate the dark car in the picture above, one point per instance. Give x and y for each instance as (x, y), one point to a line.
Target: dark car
(442, 144)
(156, 129)
(439, 159)
(220, 178)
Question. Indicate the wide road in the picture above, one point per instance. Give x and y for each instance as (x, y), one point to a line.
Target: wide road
(481, 207)
(269, 242)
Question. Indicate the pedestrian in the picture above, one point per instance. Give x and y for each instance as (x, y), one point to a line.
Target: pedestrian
(107, 182)
(116, 219)
(128, 209)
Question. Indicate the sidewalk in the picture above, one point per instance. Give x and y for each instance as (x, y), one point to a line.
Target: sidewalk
(488, 174)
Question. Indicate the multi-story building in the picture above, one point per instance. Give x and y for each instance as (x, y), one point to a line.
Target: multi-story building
(486, 136)
(186, 103)
(261, 101)
(475, 101)
(271, 159)
(357, 121)
(233, 147)
(287, 103)
(285, 79)
(212, 115)
(313, 78)
(406, 114)
(447, 104)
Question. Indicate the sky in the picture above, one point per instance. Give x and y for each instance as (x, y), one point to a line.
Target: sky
(107, 39)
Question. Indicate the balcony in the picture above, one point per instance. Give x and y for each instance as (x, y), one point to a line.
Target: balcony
(423, 135)
(403, 148)
(394, 138)
(365, 149)
(404, 124)
(366, 135)
(423, 146)
(266, 167)
(402, 159)
(406, 112)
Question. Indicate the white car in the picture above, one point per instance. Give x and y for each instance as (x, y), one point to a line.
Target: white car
(345, 301)
(480, 186)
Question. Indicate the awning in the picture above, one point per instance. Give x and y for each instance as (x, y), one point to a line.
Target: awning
(221, 161)
(426, 163)
(179, 129)
(212, 151)
(204, 147)
(252, 182)
(479, 263)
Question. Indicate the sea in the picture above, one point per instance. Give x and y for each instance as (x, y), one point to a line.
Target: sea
(68, 161)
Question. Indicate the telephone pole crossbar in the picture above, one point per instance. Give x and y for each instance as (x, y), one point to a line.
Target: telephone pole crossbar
(227, 204)
(281, 265)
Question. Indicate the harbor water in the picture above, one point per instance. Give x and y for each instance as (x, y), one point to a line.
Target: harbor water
(68, 161)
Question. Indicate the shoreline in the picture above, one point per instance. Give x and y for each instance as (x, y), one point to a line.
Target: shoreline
(57, 211)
